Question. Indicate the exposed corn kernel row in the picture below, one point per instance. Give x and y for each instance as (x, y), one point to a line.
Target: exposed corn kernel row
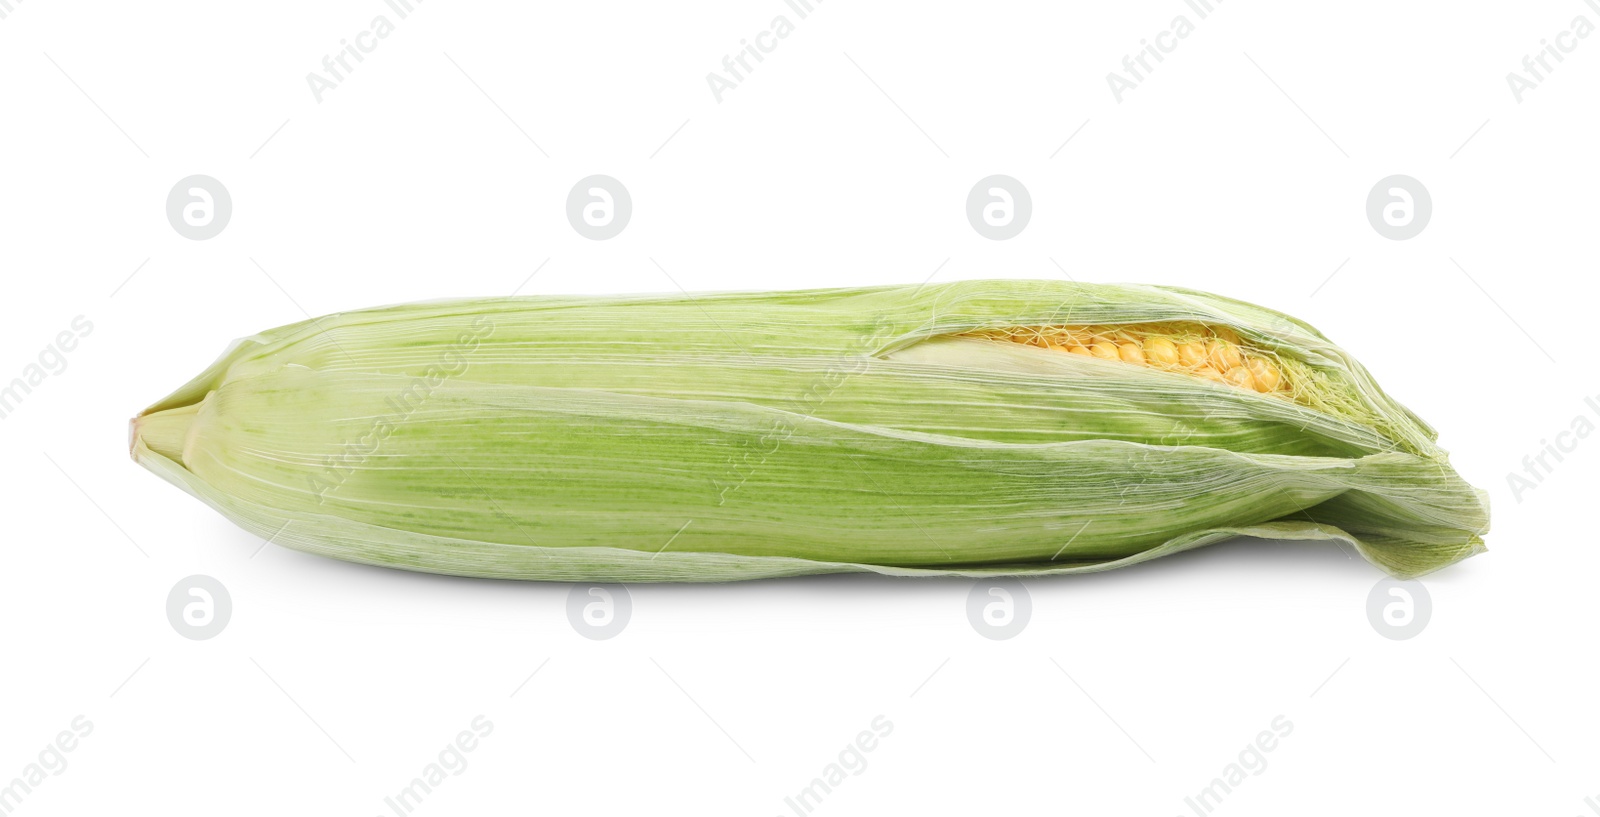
(1213, 353)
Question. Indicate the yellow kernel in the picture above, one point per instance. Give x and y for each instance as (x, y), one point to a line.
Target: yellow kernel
(1266, 375)
(1161, 352)
(1078, 350)
(1223, 355)
(1210, 374)
(1224, 333)
(1104, 350)
(1131, 352)
(1192, 355)
(1240, 376)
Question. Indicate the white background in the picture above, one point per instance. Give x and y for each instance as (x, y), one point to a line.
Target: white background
(1241, 166)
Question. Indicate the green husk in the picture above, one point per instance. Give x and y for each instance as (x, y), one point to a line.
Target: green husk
(748, 435)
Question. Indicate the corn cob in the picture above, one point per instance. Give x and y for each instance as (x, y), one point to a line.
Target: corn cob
(975, 428)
